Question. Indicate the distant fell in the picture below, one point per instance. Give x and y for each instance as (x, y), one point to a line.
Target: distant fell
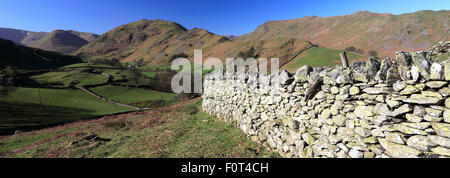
(58, 41)
(61, 41)
(377, 32)
(32, 38)
(21, 36)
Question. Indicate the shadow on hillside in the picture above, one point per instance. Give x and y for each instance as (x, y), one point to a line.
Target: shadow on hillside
(26, 116)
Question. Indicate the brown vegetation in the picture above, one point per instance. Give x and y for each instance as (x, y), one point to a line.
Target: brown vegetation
(384, 33)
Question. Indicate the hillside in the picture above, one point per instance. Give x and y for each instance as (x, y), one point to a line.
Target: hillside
(157, 42)
(383, 33)
(144, 36)
(32, 38)
(23, 57)
(85, 35)
(318, 57)
(21, 36)
(60, 41)
(282, 48)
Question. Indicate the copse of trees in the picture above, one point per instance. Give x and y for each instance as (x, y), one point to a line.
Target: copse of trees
(251, 53)
(135, 75)
(162, 80)
(361, 51)
(355, 50)
(9, 78)
(176, 56)
(373, 53)
(140, 62)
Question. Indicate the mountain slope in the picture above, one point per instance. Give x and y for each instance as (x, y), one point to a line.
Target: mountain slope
(86, 36)
(383, 33)
(57, 41)
(283, 48)
(32, 38)
(60, 41)
(23, 57)
(144, 37)
(157, 42)
(21, 36)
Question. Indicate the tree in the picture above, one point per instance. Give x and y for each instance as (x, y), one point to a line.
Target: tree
(176, 56)
(140, 62)
(8, 79)
(248, 54)
(5, 87)
(355, 50)
(350, 49)
(134, 76)
(162, 80)
(12, 72)
(373, 53)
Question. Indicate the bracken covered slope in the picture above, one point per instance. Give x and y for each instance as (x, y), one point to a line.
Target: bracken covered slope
(85, 35)
(158, 42)
(140, 39)
(383, 33)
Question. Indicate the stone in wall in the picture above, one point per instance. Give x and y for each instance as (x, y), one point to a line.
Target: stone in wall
(372, 109)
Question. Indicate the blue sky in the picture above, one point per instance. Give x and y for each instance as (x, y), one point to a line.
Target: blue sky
(224, 17)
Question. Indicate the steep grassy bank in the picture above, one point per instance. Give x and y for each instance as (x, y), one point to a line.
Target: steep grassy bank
(180, 130)
(318, 57)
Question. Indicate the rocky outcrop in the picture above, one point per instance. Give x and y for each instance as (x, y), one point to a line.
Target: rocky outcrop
(374, 109)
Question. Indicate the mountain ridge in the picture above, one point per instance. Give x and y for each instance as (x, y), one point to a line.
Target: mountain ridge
(158, 42)
(61, 41)
(33, 39)
(381, 32)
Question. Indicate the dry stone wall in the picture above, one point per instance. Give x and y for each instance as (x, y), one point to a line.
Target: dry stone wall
(374, 109)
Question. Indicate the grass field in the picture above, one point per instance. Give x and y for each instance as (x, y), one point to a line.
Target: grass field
(149, 74)
(176, 131)
(70, 79)
(131, 95)
(82, 75)
(318, 56)
(22, 107)
(86, 64)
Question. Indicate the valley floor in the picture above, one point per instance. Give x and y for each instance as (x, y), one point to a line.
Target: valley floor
(31, 108)
(179, 130)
